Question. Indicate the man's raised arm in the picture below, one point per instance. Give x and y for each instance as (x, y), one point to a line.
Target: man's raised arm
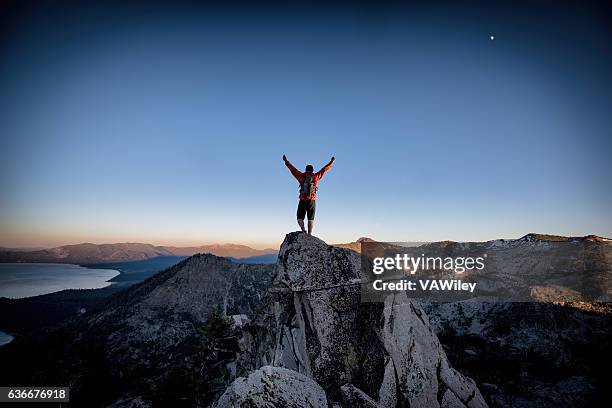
(296, 173)
(325, 168)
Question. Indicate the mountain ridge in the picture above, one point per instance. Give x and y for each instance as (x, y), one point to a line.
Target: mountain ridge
(530, 237)
(88, 252)
(125, 251)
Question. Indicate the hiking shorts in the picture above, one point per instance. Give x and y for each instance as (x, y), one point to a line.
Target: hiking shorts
(306, 207)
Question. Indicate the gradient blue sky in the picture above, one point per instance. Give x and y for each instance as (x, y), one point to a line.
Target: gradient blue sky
(167, 124)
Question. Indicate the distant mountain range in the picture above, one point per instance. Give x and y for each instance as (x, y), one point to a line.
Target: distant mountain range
(88, 253)
(5, 249)
(531, 237)
(127, 251)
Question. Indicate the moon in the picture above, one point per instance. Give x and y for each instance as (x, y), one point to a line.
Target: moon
(492, 37)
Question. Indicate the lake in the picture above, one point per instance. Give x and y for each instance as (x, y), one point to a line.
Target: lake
(19, 280)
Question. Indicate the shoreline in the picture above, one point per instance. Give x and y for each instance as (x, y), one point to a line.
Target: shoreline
(58, 280)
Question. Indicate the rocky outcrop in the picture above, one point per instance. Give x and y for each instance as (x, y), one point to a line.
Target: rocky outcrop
(538, 354)
(160, 314)
(354, 397)
(386, 351)
(273, 387)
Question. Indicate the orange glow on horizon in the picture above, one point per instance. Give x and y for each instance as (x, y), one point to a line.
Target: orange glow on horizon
(35, 239)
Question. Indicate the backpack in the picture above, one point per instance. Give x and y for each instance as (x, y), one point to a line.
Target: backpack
(308, 188)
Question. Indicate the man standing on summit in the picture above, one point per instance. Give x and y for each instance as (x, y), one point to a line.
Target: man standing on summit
(308, 191)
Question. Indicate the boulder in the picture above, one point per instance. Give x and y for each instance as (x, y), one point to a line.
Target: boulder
(273, 387)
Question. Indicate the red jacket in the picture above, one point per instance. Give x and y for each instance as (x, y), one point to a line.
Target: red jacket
(316, 177)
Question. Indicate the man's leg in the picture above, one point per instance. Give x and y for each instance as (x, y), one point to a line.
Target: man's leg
(311, 208)
(301, 213)
(301, 224)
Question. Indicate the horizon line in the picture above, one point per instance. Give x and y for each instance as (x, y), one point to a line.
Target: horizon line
(273, 247)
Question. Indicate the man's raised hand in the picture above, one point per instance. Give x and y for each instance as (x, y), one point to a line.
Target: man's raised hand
(284, 158)
(333, 159)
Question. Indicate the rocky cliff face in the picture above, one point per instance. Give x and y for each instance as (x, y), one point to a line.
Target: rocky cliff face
(163, 312)
(537, 354)
(381, 354)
